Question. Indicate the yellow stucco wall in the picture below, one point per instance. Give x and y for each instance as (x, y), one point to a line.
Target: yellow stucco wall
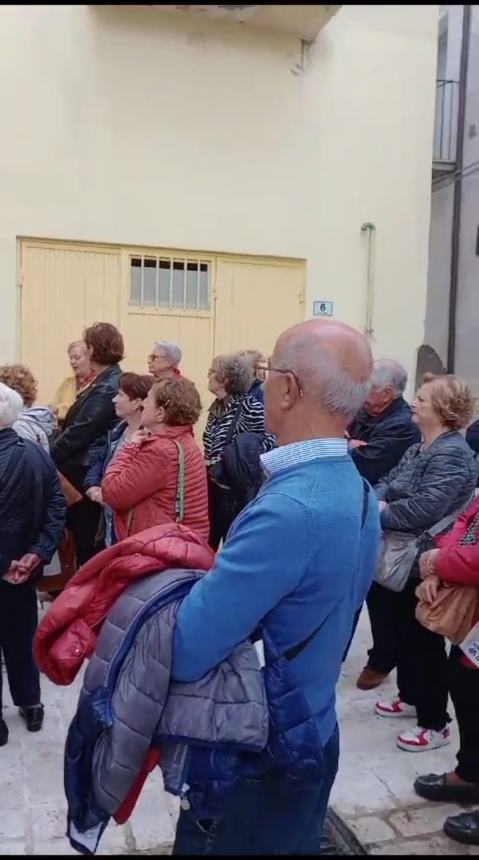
(130, 125)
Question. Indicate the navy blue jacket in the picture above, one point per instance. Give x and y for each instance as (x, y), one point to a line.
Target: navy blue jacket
(101, 456)
(257, 390)
(472, 439)
(32, 503)
(388, 436)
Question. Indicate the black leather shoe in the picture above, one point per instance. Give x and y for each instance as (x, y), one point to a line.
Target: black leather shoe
(463, 828)
(33, 717)
(434, 786)
(3, 732)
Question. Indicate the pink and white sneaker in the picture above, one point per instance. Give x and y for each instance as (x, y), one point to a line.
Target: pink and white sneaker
(396, 708)
(420, 740)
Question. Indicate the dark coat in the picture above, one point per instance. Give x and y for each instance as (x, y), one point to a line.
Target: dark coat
(101, 456)
(257, 391)
(87, 424)
(32, 503)
(428, 485)
(388, 437)
(472, 437)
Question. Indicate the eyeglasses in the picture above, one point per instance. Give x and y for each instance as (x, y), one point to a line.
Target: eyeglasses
(156, 357)
(286, 372)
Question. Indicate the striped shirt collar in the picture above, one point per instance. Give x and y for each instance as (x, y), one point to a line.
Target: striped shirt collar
(302, 452)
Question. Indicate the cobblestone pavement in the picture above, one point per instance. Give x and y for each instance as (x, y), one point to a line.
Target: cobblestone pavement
(373, 792)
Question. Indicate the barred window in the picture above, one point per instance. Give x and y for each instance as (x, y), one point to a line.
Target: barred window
(163, 282)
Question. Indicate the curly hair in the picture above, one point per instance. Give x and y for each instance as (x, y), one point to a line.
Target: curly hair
(106, 343)
(20, 379)
(135, 385)
(451, 399)
(235, 373)
(180, 400)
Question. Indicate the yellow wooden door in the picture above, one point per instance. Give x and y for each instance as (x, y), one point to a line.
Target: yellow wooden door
(64, 288)
(256, 299)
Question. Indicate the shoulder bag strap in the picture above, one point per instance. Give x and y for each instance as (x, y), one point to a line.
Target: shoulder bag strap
(180, 485)
(437, 528)
(180, 491)
(293, 652)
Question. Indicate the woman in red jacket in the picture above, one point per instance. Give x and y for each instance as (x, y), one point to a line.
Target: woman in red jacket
(160, 475)
(456, 560)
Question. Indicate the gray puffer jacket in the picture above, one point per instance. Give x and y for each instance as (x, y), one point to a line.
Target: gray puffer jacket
(129, 703)
(428, 485)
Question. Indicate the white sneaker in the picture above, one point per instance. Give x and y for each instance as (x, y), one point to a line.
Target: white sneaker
(396, 708)
(420, 740)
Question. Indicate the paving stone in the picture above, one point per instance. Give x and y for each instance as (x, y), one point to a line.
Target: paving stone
(48, 822)
(12, 788)
(114, 839)
(428, 819)
(56, 847)
(432, 845)
(12, 846)
(152, 826)
(371, 829)
(13, 825)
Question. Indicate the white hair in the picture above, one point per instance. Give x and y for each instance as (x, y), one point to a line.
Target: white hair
(387, 372)
(323, 379)
(11, 406)
(173, 351)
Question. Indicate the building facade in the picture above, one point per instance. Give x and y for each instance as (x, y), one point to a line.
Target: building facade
(452, 316)
(192, 177)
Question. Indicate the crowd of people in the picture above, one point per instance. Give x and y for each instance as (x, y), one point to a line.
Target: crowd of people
(318, 487)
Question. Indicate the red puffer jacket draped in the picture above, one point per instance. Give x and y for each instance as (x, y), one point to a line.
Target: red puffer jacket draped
(140, 484)
(460, 564)
(67, 633)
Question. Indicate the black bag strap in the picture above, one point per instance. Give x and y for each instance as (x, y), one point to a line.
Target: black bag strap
(293, 652)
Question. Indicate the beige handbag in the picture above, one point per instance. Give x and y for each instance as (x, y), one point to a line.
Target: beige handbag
(452, 613)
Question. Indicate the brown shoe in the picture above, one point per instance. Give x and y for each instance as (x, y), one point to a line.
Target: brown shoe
(369, 679)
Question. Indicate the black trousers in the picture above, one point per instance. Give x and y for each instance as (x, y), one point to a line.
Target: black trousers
(464, 690)
(220, 514)
(422, 665)
(83, 519)
(384, 615)
(18, 623)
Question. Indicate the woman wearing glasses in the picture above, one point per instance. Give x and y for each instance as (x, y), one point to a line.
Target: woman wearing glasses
(233, 440)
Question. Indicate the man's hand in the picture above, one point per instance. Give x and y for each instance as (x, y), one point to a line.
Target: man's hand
(382, 504)
(95, 495)
(356, 443)
(428, 589)
(426, 563)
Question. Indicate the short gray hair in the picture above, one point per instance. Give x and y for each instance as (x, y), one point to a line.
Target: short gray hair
(236, 373)
(322, 377)
(387, 372)
(11, 406)
(172, 350)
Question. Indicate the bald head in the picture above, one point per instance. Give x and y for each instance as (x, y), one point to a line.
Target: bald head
(319, 380)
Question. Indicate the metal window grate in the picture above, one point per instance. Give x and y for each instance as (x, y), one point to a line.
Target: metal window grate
(163, 283)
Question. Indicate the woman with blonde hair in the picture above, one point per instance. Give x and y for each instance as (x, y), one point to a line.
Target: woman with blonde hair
(434, 480)
(72, 386)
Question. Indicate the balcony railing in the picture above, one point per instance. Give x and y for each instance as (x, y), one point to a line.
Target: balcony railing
(445, 124)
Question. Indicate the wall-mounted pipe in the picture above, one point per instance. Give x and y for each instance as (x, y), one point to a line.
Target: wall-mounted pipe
(456, 210)
(369, 228)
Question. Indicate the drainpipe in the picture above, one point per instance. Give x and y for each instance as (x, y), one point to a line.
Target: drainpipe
(371, 231)
(456, 210)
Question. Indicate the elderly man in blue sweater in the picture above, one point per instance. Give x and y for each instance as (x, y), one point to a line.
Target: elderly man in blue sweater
(297, 563)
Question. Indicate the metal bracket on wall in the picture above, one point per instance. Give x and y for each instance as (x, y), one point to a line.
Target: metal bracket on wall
(299, 68)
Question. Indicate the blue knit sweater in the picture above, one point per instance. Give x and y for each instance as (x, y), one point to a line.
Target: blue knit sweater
(295, 558)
